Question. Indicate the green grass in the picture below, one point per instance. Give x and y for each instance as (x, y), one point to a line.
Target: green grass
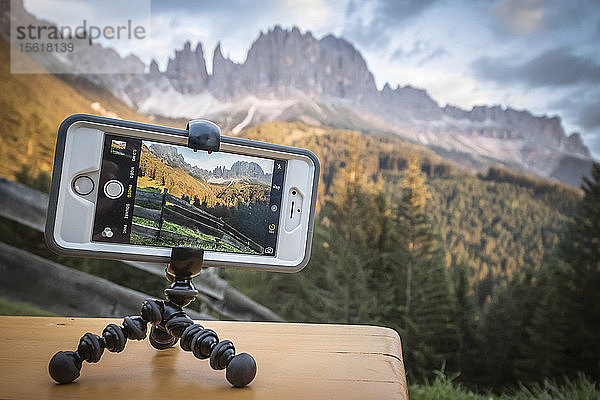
(150, 189)
(446, 388)
(580, 388)
(11, 307)
(210, 242)
(144, 221)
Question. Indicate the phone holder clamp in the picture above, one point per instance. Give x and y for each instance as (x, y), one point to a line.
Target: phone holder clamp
(169, 322)
(203, 135)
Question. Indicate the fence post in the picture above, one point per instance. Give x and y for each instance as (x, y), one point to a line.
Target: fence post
(162, 210)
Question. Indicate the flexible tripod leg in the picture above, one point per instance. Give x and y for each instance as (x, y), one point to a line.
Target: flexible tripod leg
(203, 343)
(169, 323)
(65, 366)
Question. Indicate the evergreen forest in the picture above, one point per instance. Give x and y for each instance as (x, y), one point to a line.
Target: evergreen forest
(492, 278)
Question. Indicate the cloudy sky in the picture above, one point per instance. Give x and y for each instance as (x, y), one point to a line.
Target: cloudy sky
(540, 55)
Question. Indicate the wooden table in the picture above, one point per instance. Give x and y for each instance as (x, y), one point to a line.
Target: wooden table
(303, 361)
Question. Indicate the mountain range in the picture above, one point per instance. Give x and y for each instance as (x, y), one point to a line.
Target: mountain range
(293, 76)
(240, 171)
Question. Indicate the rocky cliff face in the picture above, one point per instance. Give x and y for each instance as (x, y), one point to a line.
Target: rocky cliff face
(187, 70)
(284, 63)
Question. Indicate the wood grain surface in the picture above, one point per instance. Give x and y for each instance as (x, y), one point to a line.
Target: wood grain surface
(295, 361)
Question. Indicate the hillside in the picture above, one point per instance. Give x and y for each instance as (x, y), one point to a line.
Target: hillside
(499, 223)
(380, 155)
(32, 107)
(155, 173)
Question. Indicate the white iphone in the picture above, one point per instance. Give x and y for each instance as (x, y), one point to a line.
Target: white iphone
(126, 190)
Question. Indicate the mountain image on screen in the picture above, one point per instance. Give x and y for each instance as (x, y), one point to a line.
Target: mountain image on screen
(239, 171)
(221, 208)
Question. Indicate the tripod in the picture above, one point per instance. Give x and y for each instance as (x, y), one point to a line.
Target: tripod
(169, 322)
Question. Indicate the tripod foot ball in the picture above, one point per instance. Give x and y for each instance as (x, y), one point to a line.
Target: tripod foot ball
(65, 367)
(241, 370)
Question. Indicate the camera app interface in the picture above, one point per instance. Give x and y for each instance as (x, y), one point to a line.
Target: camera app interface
(158, 194)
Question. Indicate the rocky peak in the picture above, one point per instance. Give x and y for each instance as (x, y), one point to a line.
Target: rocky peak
(499, 122)
(574, 144)
(406, 103)
(154, 70)
(221, 64)
(284, 61)
(245, 169)
(187, 70)
(343, 61)
(226, 80)
(169, 155)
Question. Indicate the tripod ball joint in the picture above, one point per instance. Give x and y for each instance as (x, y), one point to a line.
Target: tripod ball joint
(135, 327)
(114, 338)
(152, 311)
(160, 339)
(91, 347)
(204, 343)
(199, 341)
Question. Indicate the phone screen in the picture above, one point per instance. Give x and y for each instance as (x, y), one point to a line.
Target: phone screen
(159, 194)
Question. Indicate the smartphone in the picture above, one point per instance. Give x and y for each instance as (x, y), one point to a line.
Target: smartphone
(132, 191)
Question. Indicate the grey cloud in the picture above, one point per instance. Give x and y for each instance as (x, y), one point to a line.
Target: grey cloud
(206, 6)
(518, 17)
(592, 140)
(388, 15)
(532, 17)
(437, 53)
(421, 50)
(589, 116)
(399, 10)
(554, 67)
(582, 109)
(418, 48)
(369, 35)
(350, 8)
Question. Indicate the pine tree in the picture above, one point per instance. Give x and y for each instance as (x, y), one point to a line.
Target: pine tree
(550, 324)
(504, 327)
(197, 203)
(418, 236)
(567, 322)
(541, 350)
(424, 313)
(350, 255)
(466, 318)
(384, 266)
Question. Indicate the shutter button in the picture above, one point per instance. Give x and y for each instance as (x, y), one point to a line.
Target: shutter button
(113, 189)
